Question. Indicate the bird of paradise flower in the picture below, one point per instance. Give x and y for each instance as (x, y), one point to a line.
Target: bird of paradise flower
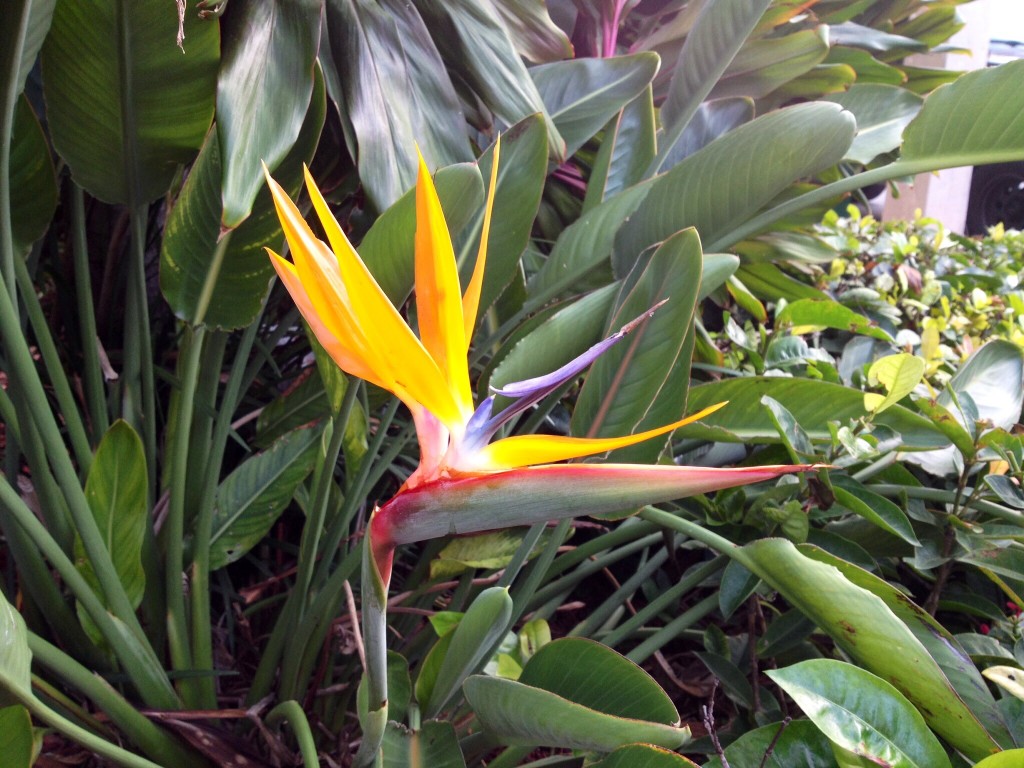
(465, 482)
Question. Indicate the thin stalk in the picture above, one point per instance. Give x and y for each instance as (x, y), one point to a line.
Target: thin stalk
(152, 682)
(202, 636)
(689, 528)
(591, 567)
(9, 416)
(22, 368)
(524, 595)
(70, 414)
(949, 497)
(195, 691)
(630, 530)
(138, 390)
(522, 554)
(664, 600)
(313, 528)
(671, 630)
(291, 712)
(52, 507)
(17, 17)
(95, 390)
(139, 729)
(597, 617)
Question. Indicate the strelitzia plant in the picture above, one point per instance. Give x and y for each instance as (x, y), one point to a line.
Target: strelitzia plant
(466, 482)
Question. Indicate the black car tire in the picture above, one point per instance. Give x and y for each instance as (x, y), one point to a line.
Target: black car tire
(997, 196)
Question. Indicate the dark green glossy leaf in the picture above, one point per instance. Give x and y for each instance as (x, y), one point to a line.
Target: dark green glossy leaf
(789, 429)
(711, 120)
(868, 68)
(304, 402)
(862, 713)
(768, 282)
(32, 181)
(434, 745)
(784, 146)
(736, 586)
(125, 106)
(874, 40)
(537, 38)
(716, 37)
(761, 66)
(877, 509)
(812, 403)
(627, 148)
(263, 92)
(594, 676)
(28, 34)
(800, 744)
(476, 41)
(397, 95)
(638, 381)
(252, 497)
(221, 278)
(581, 95)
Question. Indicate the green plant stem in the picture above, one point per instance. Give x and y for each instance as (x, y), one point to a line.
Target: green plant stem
(9, 416)
(664, 600)
(202, 636)
(16, 19)
(525, 593)
(615, 602)
(194, 691)
(139, 729)
(95, 391)
(291, 712)
(521, 555)
(58, 378)
(151, 682)
(667, 633)
(22, 367)
(313, 529)
(52, 507)
(949, 497)
(138, 392)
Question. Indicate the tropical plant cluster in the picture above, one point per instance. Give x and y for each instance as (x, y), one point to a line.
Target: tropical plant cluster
(311, 508)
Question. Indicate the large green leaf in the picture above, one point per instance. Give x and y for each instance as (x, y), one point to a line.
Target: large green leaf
(644, 756)
(948, 132)
(125, 106)
(882, 112)
(221, 278)
(717, 36)
(252, 497)
(479, 48)
(397, 94)
(800, 743)
(807, 316)
(33, 184)
(597, 677)
(521, 172)
(471, 645)
(15, 656)
(864, 627)
(116, 490)
(862, 713)
(580, 695)
(434, 745)
(25, 26)
(627, 148)
(729, 180)
(16, 737)
(961, 672)
(876, 509)
(263, 92)
(813, 404)
(581, 95)
(1011, 758)
(764, 65)
(711, 120)
(644, 378)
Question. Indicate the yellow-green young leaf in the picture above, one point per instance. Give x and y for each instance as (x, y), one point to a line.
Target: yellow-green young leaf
(493, 549)
(644, 756)
(1010, 758)
(434, 745)
(16, 743)
(116, 492)
(898, 375)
